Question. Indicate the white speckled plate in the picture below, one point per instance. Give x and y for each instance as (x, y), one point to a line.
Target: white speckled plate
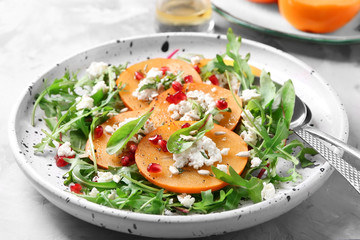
(266, 18)
(329, 115)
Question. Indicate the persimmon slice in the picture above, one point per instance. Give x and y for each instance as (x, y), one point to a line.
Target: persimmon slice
(103, 159)
(189, 181)
(161, 114)
(129, 79)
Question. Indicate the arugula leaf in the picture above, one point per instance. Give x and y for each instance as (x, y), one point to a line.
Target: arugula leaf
(252, 187)
(148, 86)
(176, 144)
(208, 204)
(122, 135)
(267, 88)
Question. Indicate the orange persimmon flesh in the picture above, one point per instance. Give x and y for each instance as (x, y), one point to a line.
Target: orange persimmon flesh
(131, 83)
(103, 159)
(254, 70)
(318, 16)
(161, 114)
(189, 181)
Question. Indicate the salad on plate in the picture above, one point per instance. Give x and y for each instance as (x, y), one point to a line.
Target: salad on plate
(169, 136)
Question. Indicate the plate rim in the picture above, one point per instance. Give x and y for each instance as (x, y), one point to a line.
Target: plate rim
(325, 40)
(80, 202)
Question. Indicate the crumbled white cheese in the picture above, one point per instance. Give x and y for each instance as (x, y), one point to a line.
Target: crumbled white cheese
(112, 195)
(104, 176)
(184, 110)
(173, 170)
(100, 86)
(96, 69)
(94, 192)
(247, 115)
(194, 157)
(203, 172)
(154, 72)
(223, 82)
(249, 136)
(222, 167)
(218, 133)
(213, 89)
(243, 154)
(225, 151)
(268, 191)
(125, 109)
(65, 150)
(249, 94)
(150, 93)
(109, 129)
(169, 213)
(116, 178)
(85, 102)
(81, 91)
(186, 200)
(255, 162)
(195, 60)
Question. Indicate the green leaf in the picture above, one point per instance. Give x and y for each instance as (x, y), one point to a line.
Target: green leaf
(267, 88)
(148, 86)
(78, 139)
(121, 136)
(208, 204)
(176, 144)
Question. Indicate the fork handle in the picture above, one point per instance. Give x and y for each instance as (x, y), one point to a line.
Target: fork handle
(334, 141)
(351, 174)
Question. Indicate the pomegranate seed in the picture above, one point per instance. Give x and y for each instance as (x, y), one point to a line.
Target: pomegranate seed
(196, 67)
(214, 80)
(164, 69)
(185, 125)
(162, 143)
(155, 139)
(221, 104)
(139, 75)
(188, 79)
(177, 86)
(125, 160)
(132, 146)
(154, 168)
(60, 162)
(75, 187)
(176, 97)
(98, 132)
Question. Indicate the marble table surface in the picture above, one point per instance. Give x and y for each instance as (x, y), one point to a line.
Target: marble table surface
(36, 34)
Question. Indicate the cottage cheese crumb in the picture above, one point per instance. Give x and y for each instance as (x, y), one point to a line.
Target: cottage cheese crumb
(112, 195)
(204, 172)
(109, 129)
(104, 176)
(85, 102)
(186, 200)
(249, 94)
(96, 69)
(268, 191)
(100, 86)
(193, 156)
(195, 60)
(116, 178)
(213, 89)
(94, 192)
(225, 151)
(255, 162)
(249, 136)
(125, 109)
(222, 167)
(173, 170)
(65, 150)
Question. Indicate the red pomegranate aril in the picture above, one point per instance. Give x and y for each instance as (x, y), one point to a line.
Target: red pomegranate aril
(185, 125)
(154, 168)
(60, 162)
(197, 68)
(176, 97)
(221, 104)
(155, 139)
(164, 70)
(75, 187)
(139, 75)
(131, 146)
(125, 160)
(98, 131)
(176, 86)
(162, 143)
(188, 79)
(214, 80)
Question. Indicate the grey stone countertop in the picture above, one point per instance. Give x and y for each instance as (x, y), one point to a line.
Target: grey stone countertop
(35, 35)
